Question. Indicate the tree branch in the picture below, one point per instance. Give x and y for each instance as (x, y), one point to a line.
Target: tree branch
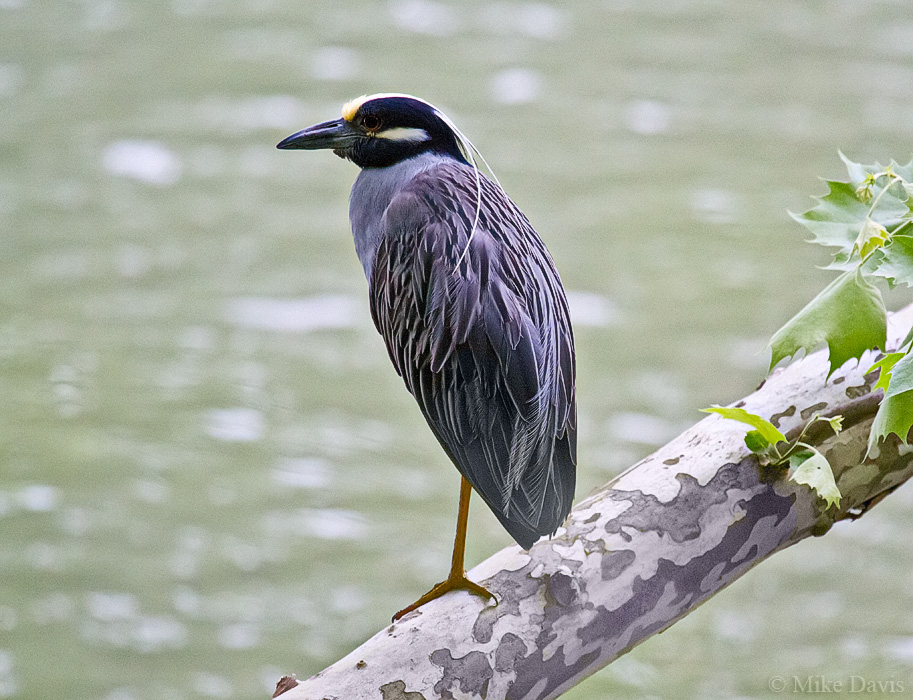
(634, 557)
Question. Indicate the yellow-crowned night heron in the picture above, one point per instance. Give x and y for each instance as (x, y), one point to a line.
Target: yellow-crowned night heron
(471, 309)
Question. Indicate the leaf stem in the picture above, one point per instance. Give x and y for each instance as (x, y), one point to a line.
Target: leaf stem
(892, 177)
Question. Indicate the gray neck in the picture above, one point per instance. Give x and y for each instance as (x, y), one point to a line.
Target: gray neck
(371, 195)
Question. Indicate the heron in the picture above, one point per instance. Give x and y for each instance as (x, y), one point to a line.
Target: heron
(471, 309)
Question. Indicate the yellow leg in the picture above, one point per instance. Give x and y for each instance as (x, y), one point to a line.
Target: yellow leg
(457, 578)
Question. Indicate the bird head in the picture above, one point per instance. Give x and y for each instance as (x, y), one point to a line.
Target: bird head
(376, 131)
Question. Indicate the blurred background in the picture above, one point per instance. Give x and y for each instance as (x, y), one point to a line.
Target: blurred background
(210, 474)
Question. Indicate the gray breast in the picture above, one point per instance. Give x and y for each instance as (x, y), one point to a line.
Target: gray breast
(371, 195)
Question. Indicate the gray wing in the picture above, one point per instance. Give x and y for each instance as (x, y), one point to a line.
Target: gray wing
(482, 338)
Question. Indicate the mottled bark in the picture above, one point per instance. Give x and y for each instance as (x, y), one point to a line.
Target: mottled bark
(640, 554)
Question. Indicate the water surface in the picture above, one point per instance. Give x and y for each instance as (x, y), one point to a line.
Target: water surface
(210, 474)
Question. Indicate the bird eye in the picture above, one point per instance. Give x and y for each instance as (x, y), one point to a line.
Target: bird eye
(370, 122)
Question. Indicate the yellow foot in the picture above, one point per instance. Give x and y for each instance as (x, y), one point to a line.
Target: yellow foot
(451, 584)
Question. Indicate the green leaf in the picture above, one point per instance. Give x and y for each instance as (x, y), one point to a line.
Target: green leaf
(863, 174)
(905, 172)
(901, 376)
(858, 173)
(836, 423)
(848, 315)
(885, 364)
(849, 260)
(873, 235)
(764, 427)
(895, 414)
(896, 263)
(840, 216)
(756, 442)
(810, 467)
(843, 260)
(907, 339)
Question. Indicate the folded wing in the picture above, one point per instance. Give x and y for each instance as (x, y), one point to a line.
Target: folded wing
(476, 323)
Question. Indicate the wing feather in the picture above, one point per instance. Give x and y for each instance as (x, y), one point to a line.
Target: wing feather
(483, 342)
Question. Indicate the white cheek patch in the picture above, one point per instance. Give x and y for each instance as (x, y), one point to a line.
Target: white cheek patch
(404, 133)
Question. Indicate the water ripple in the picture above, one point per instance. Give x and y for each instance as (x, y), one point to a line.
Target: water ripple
(294, 315)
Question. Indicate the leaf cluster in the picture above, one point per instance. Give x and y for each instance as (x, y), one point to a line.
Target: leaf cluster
(806, 465)
(868, 220)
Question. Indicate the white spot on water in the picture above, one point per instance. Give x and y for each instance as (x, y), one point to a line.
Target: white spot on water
(334, 63)
(156, 633)
(266, 112)
(301, 473)
(900, 649)
(235, 424)
(11, 78)
(8, 618)
(268, 676)
(199, 338)
(38, 498)
(533, 19)
(588, 309)
(294, 315)
(632, 672)
(187, 601)
(8, 684)
(107, 606)
(647, 117)
(747, 353)
(245, 555)
(243, 635)
(190, 7)
(735, 627)
(424, 17)
(146, 634)
(898, 38)
(192, 544)
(122, 694)
(147, 161)
(322, 523)
(854, 647)
(412, 484)
(334, 524)
(641, 428)
(347, 599)
(212, 686)
(150, 491)
(132, 261)
(43, 556)
(515, 86)
(106, 15)
(715, 206)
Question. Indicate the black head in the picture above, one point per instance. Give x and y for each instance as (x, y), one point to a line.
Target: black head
(376, 131)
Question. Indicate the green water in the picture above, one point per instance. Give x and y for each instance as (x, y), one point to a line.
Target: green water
(210, 475)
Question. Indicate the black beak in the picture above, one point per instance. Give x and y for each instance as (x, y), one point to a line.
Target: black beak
(335, 134)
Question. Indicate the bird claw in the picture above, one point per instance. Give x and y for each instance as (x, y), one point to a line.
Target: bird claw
(453, 583)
